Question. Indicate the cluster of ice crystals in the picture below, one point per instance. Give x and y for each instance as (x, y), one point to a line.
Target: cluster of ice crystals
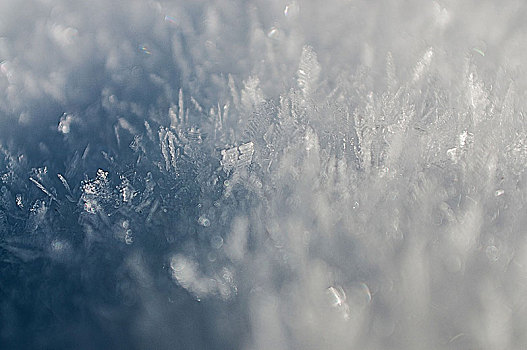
(237, 157)
(313, 189)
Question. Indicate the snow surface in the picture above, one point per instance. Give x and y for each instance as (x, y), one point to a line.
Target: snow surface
(230, 174)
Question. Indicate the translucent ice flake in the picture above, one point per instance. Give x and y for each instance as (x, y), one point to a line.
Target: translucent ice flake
(65, 123)
(478, 97)
(126, 191)
(229, 158)
(246, 153)
(237, 157)
(465, 140)
(97, 193)
(337, 299)
(19, 202)
(169, 148)
(44, 189)
(64, 182)
(336, 295)
(308, 70)
(423, 64)
(453, 154)
(311, 140)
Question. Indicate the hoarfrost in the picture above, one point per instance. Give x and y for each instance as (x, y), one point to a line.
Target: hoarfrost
(318, 176)
(237, 157)
(308, 71)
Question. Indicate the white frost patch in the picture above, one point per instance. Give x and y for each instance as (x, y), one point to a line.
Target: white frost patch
(237, 157)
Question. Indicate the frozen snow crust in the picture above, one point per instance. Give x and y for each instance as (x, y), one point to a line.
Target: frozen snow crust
(262, 175)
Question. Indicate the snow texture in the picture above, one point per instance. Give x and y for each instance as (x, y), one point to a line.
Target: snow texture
(263, 174)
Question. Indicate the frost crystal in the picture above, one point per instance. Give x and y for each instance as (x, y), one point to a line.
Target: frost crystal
(237, 157)
(308, 71)
(336, 175)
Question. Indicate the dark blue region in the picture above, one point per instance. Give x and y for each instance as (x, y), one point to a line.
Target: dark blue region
(94, 291)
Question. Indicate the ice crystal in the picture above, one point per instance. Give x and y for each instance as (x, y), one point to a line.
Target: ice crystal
(289, 175)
